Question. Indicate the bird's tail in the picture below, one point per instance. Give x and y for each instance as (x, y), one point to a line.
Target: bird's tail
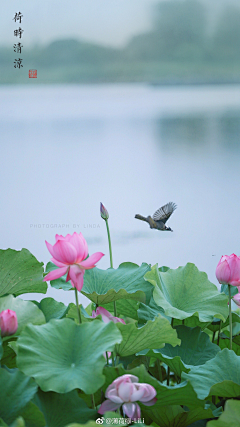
(141, 217)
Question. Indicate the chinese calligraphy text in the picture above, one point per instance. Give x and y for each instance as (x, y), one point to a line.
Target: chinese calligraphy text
(18, 17)
(17, 47)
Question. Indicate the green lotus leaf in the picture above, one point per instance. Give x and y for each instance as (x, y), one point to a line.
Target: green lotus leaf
(105, 286)
(89, 424)
(153, 366)
(195, 350)
(215, 325)
(13, 345)
(20, 273)
(191, 322)
(107, 416)
(87, 398)
(163, 269)
(125, 307)
(126, 282)
(187, 292)
(62, 355)
(51, 308)
(19, 422)
(18, 390)
(224, 342)
(152, 335)
(26, 311)
(33, 416)
(169, 416)
(218, 377)
(133, 361)
(62, 409)
(236, 338)
(150, 311)
(9, 356)
(180, 394)
(73, 313)
(230, 417)
(90, 307)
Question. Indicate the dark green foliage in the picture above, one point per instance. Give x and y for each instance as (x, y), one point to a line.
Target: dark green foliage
(62, 368)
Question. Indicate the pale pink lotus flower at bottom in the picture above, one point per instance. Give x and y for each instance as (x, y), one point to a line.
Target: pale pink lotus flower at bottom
(125, 391)
(70, 255)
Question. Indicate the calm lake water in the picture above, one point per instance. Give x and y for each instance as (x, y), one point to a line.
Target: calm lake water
(133, 147)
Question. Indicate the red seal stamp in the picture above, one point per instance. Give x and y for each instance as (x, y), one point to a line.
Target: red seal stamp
(32, 74)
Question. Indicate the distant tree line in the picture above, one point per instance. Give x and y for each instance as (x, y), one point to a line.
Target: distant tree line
(180, 32)
(179, 44)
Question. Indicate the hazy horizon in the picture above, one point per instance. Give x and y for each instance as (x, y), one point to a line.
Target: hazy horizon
(104, 22)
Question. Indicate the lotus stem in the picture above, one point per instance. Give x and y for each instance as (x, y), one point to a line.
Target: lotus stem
(113, 364)
(111, 261)
(78, 308)
(230, 315)
(168, 375)
(213, 336)
(109, 243)
(218, 338)
(168, 370)
(146, 362)
(93, 402)
(159, 370)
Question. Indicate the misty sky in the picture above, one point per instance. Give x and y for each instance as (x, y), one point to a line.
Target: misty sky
(109, 22)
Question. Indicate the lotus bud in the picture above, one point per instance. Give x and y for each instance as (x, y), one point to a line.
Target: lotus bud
(228, 270)
(8, 322)
(103, 212)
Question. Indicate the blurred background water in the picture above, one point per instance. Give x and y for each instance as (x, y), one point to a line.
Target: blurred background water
(136, 104)
(133, 147)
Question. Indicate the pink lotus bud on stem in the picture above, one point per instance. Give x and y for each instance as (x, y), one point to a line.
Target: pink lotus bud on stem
(103, 212)
(8, 322)
(228, 270)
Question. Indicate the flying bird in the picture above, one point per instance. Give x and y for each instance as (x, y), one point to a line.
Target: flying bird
(160, 217)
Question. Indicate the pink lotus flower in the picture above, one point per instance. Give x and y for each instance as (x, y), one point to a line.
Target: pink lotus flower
(228, 270)
(125, 391)
(69, 253)
(236, 299)
(106, 316)
(8, 322)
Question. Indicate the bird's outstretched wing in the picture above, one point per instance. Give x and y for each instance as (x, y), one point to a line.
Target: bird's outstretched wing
(164, 212)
